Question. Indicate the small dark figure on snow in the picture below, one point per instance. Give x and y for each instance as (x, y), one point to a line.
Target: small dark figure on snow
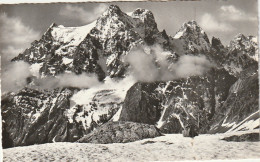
(190, 130)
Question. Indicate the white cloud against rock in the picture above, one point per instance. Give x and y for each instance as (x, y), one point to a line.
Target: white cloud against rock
(15, 37)
(144, 68)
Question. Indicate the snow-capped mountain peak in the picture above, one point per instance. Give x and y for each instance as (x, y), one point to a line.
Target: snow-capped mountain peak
(190, 28)
(142, 14)
(245, 45)
(112, 9)
(71, 36)
(193, 38)
(242, 55)
(239, 37)
(100, 48)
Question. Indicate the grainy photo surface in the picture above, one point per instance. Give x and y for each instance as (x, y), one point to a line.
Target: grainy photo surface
(130, 81)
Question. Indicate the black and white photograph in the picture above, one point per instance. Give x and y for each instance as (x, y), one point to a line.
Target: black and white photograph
(129, 81)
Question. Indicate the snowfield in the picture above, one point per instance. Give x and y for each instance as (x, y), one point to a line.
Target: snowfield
(167, 147)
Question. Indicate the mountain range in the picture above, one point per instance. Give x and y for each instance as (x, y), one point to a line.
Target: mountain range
(220, 95)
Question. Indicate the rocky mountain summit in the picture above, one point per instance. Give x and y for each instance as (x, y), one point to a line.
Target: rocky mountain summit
(98, 47)
(242, 54)
(193, 38)
(223, 98)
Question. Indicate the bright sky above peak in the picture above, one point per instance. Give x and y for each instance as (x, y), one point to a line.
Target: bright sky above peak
(21, 24)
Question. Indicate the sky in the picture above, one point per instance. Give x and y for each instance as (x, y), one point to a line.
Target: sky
(21, 24)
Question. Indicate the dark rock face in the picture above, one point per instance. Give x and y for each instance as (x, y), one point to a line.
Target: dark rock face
(120, 132)
(195, 98)
(191, 39)
(173, 103)
(32, 116)
(242, 54)
(216, 43)
(86, 58)
(36, 117)
(207, 100)
(173, 125)
(248, 137)
(241, 102)
(218, 52)
(226, 94)
(141, 104)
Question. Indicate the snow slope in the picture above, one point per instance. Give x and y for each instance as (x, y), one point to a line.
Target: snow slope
(106, 97)
(168, 147)
(71, 35)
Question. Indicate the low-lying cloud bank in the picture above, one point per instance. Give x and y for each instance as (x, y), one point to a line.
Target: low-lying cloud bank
(15, 37)
(147, 64)
(150, 64)
(83, 80)
(14, 76)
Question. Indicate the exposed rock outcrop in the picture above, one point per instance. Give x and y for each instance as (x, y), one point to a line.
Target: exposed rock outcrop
(141, 104)
(120, 132)
(240, 107)
(242, 54)
(225, 98)
(171, 104)
(32, 116)
(248, 137)
(35, 117)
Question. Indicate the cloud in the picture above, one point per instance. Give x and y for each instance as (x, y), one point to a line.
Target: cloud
(14, 76)
(153, 65)
(189, 65)
(232, 13)
(15, 37)
(17, 74)
(83, 80)
(13, 31)
(210, 23)
(230, 9)
(81, 14)
(143, 68)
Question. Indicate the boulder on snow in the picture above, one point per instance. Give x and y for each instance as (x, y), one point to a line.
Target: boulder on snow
(252, 137)
(120, 132)
(171, 126)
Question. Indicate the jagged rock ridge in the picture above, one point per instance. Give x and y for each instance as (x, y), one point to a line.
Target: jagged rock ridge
(100, 47)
